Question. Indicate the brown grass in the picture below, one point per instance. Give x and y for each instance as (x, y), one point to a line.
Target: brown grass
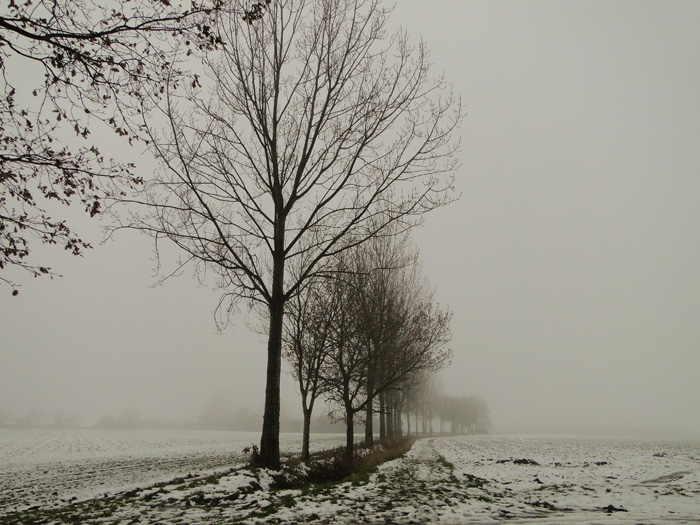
(332, 466)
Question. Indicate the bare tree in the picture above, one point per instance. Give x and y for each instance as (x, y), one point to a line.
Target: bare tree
(345, 368)
(422, 395)
(380, 265)
(414, 334)
(465, 413)
(431, 393)
(476, 415)
(313, 132)
(414, 393)
(307, 340)
(89, 60)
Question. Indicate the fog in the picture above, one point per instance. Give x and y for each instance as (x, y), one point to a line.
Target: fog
(571, 261)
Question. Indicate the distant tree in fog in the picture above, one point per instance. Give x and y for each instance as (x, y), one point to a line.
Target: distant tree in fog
(466, 414)
(67, 419)
(379, 341)
(422, 397)
(4, 416)
(217, 413)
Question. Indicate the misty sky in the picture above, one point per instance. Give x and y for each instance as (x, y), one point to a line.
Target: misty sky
(571, 262)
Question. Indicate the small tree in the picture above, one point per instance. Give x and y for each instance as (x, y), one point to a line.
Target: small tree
(345, 369)
(476, 414)
(433, 393)
(307, 341)
(312, 134)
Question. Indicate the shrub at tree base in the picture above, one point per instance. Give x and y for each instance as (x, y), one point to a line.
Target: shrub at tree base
(332, 466)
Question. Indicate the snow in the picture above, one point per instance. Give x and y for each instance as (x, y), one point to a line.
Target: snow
(461, 479)
(41, 467)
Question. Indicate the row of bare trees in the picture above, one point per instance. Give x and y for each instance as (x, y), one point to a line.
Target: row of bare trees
(303, 130)
(360, 336)
(312, 132)
(425, 401)
(466, 414)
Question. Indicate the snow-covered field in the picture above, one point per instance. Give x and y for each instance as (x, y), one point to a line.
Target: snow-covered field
(470, 479)
(51, 467)
(577, 479)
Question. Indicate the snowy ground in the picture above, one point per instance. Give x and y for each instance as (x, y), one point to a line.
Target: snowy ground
(474, 479)
(51, 467)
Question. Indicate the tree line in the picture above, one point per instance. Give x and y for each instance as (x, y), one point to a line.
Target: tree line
(368, 339)
(289, 134)
(361, 336)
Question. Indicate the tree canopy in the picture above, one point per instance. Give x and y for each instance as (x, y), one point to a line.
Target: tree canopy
(63, 66)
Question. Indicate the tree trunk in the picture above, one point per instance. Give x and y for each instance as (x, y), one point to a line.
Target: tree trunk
(382, 416)
(369, 430)
(270, 439)
(389, 405)
(398, 432)
(349, 434)
(306, 434)
(408, 423)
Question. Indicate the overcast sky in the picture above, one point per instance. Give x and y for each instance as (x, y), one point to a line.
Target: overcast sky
(571, 262)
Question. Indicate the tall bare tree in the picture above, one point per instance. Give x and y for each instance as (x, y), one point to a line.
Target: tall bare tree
(313, 132)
